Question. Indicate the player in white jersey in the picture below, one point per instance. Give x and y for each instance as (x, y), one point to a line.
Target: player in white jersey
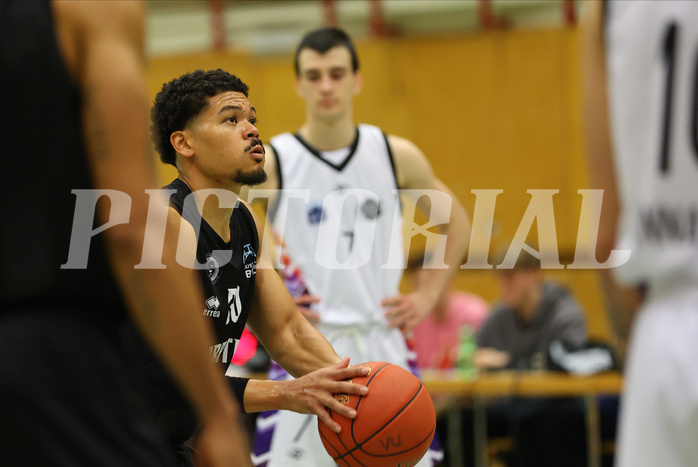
(642, 63)
(344, 233)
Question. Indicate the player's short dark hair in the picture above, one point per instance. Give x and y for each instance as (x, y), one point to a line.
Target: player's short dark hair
(322, 40)
(184, 98)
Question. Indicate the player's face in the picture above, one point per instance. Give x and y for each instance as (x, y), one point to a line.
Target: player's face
(226, 142)
(327, 82)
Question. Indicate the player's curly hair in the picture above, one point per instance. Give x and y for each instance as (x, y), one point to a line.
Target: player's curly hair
(184, 98)
(324, 39)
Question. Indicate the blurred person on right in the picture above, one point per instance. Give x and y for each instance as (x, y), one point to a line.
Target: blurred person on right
(641, 115)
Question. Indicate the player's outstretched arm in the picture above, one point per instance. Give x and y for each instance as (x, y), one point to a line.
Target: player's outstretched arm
(104, 52)
(414, 173)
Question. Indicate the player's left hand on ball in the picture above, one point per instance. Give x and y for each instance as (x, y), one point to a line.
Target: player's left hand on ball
(316, 392)
(405, 311)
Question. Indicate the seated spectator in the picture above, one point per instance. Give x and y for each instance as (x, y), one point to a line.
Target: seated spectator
(532, 314)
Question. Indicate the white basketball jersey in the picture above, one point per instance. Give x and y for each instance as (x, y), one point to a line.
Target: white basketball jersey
(652, 59)
(342, 224)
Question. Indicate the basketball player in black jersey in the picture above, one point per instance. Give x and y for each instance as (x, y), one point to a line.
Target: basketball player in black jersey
(74, 116)
(204, 125)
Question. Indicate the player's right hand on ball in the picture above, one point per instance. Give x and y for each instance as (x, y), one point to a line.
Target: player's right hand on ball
(316, 392)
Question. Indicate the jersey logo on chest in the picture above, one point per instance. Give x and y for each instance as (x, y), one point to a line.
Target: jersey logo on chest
(315, 213)
(345, 202)
(212, 307)
(213, 267)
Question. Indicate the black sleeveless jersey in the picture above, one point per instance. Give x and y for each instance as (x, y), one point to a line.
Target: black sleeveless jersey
(43, 160)
(228, 289)
(228, 285)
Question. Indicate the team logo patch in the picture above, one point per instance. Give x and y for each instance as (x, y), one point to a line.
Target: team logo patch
(315, 214)
(371, 209)
(212, 307)
(249, 261)
(247, 251)
(213, 267)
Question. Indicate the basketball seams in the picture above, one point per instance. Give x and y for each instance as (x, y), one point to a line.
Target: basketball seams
(358, 446)
(358, 402)
(393, 418)
(341, 457)
(347, 450)
(322, 435)
(339, 438)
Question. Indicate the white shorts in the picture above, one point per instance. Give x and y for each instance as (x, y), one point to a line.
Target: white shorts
(659, 409)
(289, 439)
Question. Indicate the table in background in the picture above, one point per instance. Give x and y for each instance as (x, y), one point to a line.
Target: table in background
(519, 384)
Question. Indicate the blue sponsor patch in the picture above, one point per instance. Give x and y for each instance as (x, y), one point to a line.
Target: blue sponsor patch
(315, 214)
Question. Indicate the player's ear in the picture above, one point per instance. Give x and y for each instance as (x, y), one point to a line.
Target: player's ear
(358, 82)
(181, 143)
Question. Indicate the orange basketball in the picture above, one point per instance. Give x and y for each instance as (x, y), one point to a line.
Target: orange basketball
(394, 425)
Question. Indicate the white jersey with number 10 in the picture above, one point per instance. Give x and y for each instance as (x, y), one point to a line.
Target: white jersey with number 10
(654, 46)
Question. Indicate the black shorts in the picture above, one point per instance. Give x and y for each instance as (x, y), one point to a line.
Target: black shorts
(68, 397)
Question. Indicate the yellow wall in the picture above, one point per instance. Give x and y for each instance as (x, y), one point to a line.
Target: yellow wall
(490, 110)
